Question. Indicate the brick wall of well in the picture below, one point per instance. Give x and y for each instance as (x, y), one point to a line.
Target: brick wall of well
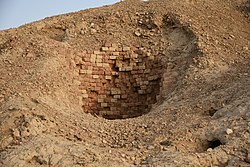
(118, 81)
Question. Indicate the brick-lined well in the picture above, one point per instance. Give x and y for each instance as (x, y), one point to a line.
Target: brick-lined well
(119, 81)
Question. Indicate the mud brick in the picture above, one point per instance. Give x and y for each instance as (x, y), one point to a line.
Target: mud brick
(83, 66)
(142, 67)
(126, 56)
(95, 76)
(99, 57)
(138, 80)
(103, 96)
(149, 98)
(108, 92)
(88, 64)
(155, 77)
(115, 45)
(151, 58)
(141, 91)
(105, 48)
(128, 68)
(128, 85)
(124, 105)
(132, 64)
(119, 49)
(112, 49)
(149, 90)
(100, 100)
(108, 72)
(86, 80)
(118, 64)
(92, 85)
(115, 91)
(103, 112)
(158, 97)
(136, 68)
(106, 58)
(113, 100)
(104, 104)
(108, 77)
(147, 71)
(136, 76)
(115, 73)
(92, 104)
(112, 57)
(117, 80)
(139, 60)
(102, 91)
(90, 67)
(98, 82)
(140, 71)
(113, 109)
(98, 60)
(148, 54)
(151, 78)
(124, 116)
(124, 96)
(93, 58)
(97, 52)
(134, 72)
(143, 87)
(134, 55)
(145, 82)
(117, 96)
(82, 71)
(105, 65)
(97, 88)
(85, 95)
(111, 62)
(116, 53)
(99, 64)
(89, 72)
(141, 83)
(125, 48)
(122, 69)
(95, 68)
(96, 72)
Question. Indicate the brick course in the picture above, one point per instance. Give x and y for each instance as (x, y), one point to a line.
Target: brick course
(119, 81)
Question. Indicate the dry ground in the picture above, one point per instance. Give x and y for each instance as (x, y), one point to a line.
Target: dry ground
(203, 118)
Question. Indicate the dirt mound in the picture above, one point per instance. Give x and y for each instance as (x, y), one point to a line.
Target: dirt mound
(138, 83)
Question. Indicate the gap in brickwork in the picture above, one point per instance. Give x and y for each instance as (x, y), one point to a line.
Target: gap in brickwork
(119, 82)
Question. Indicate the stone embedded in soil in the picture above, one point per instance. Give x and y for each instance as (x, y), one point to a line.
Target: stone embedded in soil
(229, 131)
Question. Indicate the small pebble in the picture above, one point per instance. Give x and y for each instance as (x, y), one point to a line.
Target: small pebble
(209, 149)
(229, 131)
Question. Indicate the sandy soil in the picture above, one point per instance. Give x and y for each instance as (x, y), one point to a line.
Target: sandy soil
(202, 119)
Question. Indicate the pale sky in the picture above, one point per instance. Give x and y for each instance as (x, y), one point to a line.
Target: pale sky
(14, 13)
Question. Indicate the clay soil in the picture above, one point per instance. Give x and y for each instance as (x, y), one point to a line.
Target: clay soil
(200, 118)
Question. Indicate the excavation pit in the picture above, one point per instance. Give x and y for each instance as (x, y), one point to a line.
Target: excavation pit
(119, 82)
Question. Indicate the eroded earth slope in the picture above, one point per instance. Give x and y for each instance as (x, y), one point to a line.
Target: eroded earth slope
(156, 83)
